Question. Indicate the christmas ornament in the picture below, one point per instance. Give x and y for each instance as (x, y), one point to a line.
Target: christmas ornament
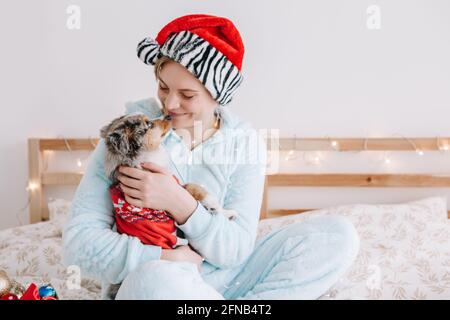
(12, 290)
(16, 288)
(9, 296)
(5, 283)
(32, 293)
(47, 291)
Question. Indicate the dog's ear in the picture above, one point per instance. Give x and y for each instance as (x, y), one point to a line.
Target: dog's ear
(119, 143)
(116, 137)
(105, 130)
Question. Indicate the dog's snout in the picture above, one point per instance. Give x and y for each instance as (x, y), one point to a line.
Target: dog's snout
(168, 117)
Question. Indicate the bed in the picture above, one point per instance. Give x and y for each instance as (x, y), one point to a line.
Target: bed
(404, 251)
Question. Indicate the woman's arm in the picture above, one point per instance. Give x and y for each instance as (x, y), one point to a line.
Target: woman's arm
(88, 238)
(226, 243)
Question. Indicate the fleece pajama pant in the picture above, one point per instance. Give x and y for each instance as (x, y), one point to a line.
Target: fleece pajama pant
(298, 261)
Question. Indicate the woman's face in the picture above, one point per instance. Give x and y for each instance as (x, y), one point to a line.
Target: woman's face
(184, 97)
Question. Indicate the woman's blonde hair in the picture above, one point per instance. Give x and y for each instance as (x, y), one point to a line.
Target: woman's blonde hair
(159, 64)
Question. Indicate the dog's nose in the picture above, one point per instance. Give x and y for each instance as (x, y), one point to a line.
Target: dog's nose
(168, 117)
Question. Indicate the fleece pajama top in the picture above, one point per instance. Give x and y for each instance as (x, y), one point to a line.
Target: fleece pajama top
(299, 261)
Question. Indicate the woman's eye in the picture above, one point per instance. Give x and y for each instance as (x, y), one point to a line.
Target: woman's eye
(186, 97)
(162, 88)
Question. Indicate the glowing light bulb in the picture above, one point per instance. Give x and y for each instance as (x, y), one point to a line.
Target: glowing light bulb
(334, 143)
(291, 152)
(79, 162)
(419, 152)
(387, 160)
(32, 186)
(445, 148)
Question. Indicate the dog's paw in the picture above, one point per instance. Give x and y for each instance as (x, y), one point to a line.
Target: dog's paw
(210, 202)
(212, 210)
(230, 214)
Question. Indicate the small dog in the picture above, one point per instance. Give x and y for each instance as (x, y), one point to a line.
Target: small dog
(132, 139)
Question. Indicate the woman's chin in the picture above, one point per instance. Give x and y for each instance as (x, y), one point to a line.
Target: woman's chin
(181, 123)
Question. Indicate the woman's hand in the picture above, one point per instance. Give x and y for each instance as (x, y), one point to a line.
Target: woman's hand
(183, 253)
(154, 187)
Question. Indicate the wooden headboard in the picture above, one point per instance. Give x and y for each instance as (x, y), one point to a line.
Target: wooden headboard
(41, 179)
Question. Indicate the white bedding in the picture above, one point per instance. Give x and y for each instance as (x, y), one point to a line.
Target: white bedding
(405, 252)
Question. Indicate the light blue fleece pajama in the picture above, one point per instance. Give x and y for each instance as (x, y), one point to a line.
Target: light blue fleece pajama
(300, 261)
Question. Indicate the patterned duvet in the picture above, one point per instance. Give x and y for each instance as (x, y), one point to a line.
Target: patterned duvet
(405, 253)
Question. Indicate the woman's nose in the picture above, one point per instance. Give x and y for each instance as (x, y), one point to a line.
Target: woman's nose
(172, 102)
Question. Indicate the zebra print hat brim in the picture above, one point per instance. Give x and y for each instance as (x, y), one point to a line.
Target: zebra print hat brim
(217, 73)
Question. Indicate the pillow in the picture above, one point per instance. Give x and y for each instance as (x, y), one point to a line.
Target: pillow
(420, 212)
(58, 210)
(404, 252)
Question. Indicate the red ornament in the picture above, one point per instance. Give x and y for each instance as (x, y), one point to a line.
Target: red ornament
(32, 293)
(9, 296)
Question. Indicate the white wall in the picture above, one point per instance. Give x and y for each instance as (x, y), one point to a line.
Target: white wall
(311, 68)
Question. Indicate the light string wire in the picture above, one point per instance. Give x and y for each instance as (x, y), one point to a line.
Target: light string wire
(30, 186)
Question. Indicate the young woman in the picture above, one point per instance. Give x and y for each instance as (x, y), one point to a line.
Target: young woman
(197, 60)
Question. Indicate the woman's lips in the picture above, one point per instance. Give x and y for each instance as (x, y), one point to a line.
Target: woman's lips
(177, 114)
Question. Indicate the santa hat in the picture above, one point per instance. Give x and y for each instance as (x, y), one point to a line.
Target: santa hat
(210, 47)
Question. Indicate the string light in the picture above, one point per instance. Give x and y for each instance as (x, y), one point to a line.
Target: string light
(441, 147)
(316, 159)
(291, 152)
(334, 144)
(32, 186)
(79, 160)
(418, 151)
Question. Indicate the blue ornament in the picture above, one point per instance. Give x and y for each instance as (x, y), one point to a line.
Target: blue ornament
(47, 291)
